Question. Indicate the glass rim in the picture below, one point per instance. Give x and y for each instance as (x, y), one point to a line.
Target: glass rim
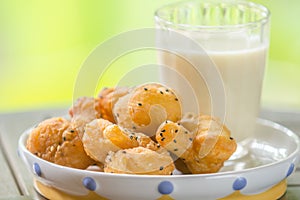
(170, 24)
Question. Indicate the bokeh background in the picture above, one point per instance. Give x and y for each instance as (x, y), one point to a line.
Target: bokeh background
(44, 43)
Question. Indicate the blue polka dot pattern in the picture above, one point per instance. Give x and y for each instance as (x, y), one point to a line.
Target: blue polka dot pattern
(165, 187)
(239, 183)
(37, 170)
(291, 169)
(89, 183)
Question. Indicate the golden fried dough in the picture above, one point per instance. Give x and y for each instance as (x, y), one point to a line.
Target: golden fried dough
(107, 99)
(94, 143)
(139, 160)
(54, 141)
(71, 153)
(44, 139)
(84, 110)
(204, 149)
(102, 136)
(146, 107)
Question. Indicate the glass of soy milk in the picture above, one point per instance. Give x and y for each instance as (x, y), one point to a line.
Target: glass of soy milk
(222, 59)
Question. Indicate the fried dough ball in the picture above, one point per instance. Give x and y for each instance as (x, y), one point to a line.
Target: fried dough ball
(46, 137)
(107, 99)
(71, 153)
(146, 107)
(84, 110)
(204, 149)
(139, 160)
(101, 137)
(54, 141)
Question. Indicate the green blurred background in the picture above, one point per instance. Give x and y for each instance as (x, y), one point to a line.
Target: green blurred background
(44, 43)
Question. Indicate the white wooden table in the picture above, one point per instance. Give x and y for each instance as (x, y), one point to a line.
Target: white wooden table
(16, 181)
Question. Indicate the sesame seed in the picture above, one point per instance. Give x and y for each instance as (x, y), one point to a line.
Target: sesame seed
(174, 141)
(161, 168)
(164, 130)
(118, 115)
(186, 132)
(72, 131)
(176, 149)
(176, 99)
(191, 139)
(231, 138)
(133, 127)
(145, 89)
(64, 138)
(131, 137)
(161, 92)
(139, 104)
(161, 134)
(176, 130)
(178, 124)
(162, 139)
(167, 90)
(124, 152)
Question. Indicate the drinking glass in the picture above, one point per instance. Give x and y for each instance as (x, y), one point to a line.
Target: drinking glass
(233, 39)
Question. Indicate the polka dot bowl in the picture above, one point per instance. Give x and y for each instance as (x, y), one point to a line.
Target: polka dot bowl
(272, 156)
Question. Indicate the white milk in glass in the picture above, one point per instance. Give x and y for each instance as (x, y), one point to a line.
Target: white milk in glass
(242, 72)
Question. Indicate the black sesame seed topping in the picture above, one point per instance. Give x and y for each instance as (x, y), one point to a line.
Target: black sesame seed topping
(133, 127)
(186, 132)
(118, 115)
(231, 138)
(139, 104)
(124, 152)
(162, 139)
(167, 90)
(191, 139)
(161, 92)
(176, 130)
(161, 134)
(145, 89)
(174, 141)
(161, 168)
(164, 130)
(178, 124)
(131, 137)
(72, 131)
(176, 149)
(176, 99)
(64, 138)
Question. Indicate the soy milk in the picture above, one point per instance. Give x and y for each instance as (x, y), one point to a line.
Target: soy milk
(242, 74)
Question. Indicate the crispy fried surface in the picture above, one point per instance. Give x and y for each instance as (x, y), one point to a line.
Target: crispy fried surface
(136, 161)
(145, 96)
(54, 141)
(46, 137)
(146, 107)
(204, 149)
(107, 99)
(101, 137)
